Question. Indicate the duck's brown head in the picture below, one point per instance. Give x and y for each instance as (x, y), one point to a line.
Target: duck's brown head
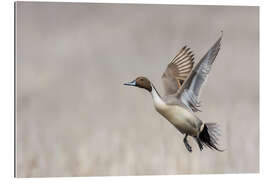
(141, 82)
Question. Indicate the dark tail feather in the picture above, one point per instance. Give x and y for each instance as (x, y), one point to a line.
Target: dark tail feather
(209, 136)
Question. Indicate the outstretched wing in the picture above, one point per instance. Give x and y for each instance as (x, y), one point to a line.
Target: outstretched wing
(177, 70)
(189, 93)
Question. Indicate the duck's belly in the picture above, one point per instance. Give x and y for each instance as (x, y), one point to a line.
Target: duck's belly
(181, 118)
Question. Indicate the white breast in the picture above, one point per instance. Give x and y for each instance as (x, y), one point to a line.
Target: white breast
(180, 117)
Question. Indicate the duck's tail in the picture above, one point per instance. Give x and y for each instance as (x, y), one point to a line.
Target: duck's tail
(209, 136)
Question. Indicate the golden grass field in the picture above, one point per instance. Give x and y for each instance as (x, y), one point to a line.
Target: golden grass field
(76, 118)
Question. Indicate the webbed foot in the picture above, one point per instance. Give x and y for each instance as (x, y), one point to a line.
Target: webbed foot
(188, 147)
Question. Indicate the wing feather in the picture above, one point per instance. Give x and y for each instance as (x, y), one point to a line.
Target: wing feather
(190, 90)
(177, 70)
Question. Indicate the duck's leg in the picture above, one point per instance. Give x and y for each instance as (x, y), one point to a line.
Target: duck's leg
(199, 143)
(186, 143)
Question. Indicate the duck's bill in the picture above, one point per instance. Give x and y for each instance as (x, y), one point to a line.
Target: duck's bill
(132, 83)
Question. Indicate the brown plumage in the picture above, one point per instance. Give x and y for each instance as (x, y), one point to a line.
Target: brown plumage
(178, 70)
(143, 82)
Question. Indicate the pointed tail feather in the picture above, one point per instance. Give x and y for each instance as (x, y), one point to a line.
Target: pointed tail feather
(209, 136)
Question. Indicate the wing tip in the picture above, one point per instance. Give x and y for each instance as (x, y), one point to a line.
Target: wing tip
(220, 37)
(216, 47)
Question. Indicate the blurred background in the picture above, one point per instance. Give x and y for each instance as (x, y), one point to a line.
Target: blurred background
(75, 117)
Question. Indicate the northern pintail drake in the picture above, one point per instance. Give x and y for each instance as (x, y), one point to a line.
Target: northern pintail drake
(181, 100)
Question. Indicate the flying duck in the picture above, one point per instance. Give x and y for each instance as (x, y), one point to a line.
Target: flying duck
(182, 85)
